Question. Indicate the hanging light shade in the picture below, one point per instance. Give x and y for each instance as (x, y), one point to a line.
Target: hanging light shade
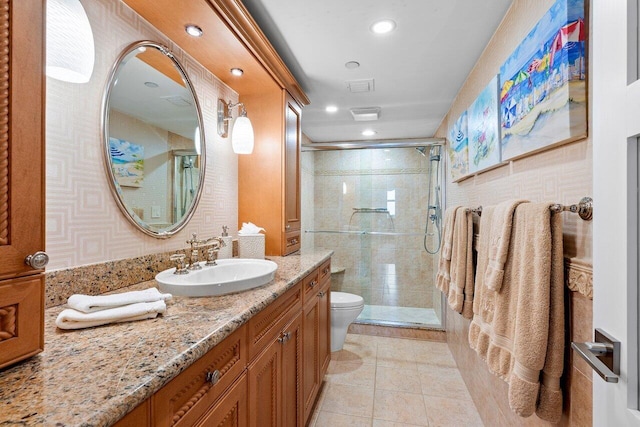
(70, 48)
(242, 135)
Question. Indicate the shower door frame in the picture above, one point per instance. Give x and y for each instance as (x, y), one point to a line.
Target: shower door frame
(387, 144)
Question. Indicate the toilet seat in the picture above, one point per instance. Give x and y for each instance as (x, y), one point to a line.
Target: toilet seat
(344, 300)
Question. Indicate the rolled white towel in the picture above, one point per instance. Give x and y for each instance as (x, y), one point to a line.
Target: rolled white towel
(73, 319)
(90, 303)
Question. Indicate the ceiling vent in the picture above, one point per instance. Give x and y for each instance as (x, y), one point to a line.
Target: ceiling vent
(359, 86)
(365, 114)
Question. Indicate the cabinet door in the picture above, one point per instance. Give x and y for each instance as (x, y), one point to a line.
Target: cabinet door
(21, 135)
(293, 134)
(265, 387)
(231, 409)
(310, 355)
(21, 179)
(292, 374)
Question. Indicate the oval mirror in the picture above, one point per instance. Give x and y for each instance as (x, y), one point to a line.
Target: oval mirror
(153, 139)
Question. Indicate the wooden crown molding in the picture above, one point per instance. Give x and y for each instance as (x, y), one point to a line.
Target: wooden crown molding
(247, 30)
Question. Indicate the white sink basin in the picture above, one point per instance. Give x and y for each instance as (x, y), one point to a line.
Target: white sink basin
(229, 276)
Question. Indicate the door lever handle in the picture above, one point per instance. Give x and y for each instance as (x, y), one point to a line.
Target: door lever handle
(603, 355)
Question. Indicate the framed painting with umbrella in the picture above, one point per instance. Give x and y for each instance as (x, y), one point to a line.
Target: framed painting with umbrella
(543, 100)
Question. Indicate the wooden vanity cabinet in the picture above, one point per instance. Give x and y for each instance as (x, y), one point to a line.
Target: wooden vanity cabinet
(317, 333)
(265, 374)
(21, 179)
(275, 373)
(192, 394)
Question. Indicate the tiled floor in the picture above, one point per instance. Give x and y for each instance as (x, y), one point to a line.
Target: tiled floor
(393, 382)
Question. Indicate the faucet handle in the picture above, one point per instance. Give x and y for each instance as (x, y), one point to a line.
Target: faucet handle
(212, 256)
(180, 265)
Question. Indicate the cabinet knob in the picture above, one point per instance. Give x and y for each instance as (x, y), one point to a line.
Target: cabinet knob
(287, 227)
(321, 294)
(37, 260)
(212, 377)
(313, 283)
(286, 336)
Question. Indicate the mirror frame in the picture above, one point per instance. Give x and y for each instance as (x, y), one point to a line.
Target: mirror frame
(138, 223)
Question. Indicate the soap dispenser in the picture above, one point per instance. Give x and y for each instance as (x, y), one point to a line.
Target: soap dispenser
(227, 250)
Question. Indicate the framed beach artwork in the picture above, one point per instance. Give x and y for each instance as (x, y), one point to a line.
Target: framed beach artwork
(459, 148)
(484, 129)
(127, 159)
(543, 97)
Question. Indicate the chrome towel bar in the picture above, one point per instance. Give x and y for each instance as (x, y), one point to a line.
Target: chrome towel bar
(584, 208)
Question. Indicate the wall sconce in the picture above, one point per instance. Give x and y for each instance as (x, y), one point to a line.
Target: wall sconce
(242, 130)
(70, 48)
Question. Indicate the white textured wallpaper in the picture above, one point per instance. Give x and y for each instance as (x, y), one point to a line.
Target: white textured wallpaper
(84, 223)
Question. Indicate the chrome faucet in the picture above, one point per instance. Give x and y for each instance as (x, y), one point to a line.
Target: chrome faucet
(212, 253)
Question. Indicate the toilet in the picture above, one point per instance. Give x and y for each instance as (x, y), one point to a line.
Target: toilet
(344, 310)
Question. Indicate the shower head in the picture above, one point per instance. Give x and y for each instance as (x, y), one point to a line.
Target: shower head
(422, 150)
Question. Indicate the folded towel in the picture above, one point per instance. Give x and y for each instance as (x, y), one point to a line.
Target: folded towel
(460, 295)
(444, 262)
(499, 237)
(519, 330)
(89, 304)
(73, 319)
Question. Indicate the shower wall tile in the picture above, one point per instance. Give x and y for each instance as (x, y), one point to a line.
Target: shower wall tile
(383, 269)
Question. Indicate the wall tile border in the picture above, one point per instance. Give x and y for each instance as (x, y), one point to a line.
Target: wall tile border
(578, 276)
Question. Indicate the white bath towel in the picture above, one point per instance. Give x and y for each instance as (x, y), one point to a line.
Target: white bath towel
(73, 319)
(90, 303)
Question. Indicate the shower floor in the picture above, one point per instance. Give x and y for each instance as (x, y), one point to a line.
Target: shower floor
(398, 315)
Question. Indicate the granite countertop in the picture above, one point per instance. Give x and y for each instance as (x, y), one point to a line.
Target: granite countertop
(93, 377)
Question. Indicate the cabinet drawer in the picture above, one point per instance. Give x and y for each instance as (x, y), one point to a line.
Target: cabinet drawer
(139, 417)
(265, 326)
(324, 272)
(188, 396)
(21, 318)
(310, 285)
(291, 242)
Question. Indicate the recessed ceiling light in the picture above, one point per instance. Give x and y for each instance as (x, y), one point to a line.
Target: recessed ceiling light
(384, 26)
(331, 109)
(193, 30)
(368, 132)
(151, 84)
(237, 71)
(352, 65)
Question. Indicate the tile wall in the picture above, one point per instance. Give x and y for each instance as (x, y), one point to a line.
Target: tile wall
(563, 175)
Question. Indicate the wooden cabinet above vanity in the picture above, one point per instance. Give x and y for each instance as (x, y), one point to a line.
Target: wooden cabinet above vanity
(269, 178)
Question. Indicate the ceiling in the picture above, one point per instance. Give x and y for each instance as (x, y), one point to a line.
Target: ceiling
(417, 69)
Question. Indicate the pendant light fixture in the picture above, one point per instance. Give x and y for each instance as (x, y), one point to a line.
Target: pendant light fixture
(70, 48)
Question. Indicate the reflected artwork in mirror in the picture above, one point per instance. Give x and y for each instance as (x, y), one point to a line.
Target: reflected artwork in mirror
(154, 145)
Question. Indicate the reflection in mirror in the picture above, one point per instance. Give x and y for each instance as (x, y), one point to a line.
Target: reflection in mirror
(153, 139)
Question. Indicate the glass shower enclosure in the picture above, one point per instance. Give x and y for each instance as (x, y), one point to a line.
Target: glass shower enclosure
(379, 210)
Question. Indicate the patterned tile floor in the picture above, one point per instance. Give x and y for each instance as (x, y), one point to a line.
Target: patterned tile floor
(393, 382)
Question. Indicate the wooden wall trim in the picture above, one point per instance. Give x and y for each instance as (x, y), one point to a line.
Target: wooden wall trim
(247, 30)
(4, 122)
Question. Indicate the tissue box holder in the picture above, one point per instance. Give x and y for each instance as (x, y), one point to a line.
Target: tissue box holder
(251, 246)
